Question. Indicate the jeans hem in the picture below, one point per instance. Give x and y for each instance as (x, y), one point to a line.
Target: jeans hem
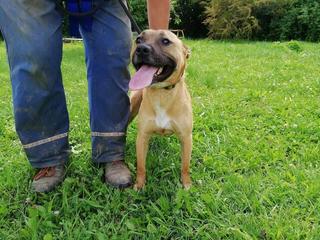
(50, 163)
(108, 159)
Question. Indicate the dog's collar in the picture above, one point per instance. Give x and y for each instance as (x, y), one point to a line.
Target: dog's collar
(162, 85)
(166, 87)
(169, 87)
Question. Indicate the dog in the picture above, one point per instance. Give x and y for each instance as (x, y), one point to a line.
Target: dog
(161, 98)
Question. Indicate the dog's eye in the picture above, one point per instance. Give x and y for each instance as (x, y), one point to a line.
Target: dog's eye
(165, 41)
(138, 40)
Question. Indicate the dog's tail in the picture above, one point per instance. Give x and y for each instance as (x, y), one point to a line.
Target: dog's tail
(135, 102)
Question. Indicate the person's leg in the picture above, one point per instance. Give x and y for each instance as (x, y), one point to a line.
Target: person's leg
(32, 32)
(107, 57)
(108, 47)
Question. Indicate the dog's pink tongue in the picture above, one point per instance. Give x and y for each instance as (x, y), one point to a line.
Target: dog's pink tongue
(142, 78)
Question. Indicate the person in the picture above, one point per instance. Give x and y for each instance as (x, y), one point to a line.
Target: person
(32, 31)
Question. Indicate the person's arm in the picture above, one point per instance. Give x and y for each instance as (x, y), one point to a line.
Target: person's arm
(158, 14)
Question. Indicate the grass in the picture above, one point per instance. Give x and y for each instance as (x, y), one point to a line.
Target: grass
(255, 163)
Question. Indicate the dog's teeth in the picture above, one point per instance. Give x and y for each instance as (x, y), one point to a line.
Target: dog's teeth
(159, 71)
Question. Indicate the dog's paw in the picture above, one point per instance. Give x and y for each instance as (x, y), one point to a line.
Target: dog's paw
(187, 186)
(138, 186)
(186, 182)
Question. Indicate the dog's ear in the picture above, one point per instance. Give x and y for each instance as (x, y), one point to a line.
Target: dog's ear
(187, 51)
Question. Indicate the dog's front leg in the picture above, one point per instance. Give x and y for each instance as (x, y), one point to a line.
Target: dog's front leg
(142, 145)
(186, 148)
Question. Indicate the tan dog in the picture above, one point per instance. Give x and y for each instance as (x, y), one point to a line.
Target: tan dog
(164, 104)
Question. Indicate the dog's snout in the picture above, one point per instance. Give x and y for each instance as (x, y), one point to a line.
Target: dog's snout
(143, 50)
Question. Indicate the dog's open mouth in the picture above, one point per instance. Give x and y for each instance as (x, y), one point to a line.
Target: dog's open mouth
(147, 75)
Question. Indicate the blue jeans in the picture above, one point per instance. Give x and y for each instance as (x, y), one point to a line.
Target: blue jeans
(33, 36)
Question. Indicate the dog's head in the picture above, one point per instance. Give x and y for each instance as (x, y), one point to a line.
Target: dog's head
(161, 56)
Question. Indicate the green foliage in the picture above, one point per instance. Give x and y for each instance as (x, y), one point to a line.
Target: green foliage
(231, 19)
(185, 14)
(65, 25)
(189, 16)
(255, 161)
(264, 19)
(294, 46)
(288, 19)
(269, 14)
(302, 21)
(138, 10)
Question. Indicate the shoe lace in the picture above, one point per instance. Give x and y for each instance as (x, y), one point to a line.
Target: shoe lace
(45, 172)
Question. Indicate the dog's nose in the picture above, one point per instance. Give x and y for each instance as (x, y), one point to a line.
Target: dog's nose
(143, 50)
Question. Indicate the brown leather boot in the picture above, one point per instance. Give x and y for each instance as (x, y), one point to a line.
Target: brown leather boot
(48, 178)
(117, 174)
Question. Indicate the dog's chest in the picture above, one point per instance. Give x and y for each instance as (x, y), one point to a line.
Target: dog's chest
(162, 120)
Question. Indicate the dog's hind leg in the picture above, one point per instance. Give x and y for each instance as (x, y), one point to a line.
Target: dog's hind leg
(135, 102)
(186, 148)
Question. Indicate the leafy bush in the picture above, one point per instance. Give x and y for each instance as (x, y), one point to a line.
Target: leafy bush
(288, 19)
(189, 16)
(302, 21)
(231, 19)
(294, 46)
(269, 14)
(264, 19)
(138, 10)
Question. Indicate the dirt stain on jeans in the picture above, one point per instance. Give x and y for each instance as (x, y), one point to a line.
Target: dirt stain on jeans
(39, 76)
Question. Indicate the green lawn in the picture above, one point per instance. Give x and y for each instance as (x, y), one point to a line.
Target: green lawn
(255, 163)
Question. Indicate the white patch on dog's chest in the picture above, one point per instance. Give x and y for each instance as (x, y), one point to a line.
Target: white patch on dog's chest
(162, 119)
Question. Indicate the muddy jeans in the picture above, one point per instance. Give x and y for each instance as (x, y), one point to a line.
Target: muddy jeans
(32, 32)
